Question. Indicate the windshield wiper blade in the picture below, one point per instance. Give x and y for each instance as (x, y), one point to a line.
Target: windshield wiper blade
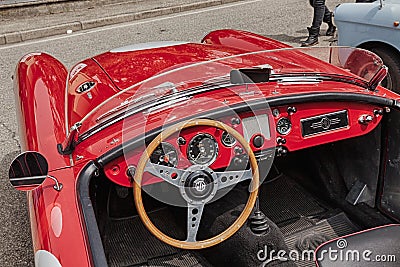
(320, 77)
(132, 101)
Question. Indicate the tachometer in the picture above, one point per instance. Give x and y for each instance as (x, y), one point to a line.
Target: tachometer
(165, 154)
(202, 149)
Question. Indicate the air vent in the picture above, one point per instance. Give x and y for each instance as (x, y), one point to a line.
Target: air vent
(324, 123)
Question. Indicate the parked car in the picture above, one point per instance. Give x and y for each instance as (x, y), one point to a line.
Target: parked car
(373, 26)
(238, 150)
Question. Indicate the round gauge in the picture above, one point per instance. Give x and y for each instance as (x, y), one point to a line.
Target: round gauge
(227, 139)
(202, 149)
(165, 154)
(283, 126)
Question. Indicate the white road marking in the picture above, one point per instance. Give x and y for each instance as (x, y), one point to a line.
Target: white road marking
(129, 24)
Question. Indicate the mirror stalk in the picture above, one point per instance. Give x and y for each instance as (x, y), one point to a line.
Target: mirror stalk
(58, 186)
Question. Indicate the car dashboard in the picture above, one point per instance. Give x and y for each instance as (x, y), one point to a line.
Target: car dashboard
(276, 131)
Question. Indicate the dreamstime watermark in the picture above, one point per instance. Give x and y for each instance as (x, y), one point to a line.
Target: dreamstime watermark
(338, 254)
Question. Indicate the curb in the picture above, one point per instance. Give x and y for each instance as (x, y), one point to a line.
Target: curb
(21, 36)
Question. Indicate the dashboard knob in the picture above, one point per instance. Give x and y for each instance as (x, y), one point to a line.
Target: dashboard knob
(365, 119)
(281, 151)
(258, 141)
(181, 141)
(131, 171)
(238, 161)
(280, 140)
(291, 110)
(238, 150)
(235, 121)
(378, 112)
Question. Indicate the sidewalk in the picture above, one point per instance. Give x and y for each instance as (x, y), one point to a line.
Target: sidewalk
(20, 29)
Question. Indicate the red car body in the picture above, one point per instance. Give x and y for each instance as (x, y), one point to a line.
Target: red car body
(48, 105)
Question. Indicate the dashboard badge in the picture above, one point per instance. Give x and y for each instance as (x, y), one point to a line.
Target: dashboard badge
(324, 123)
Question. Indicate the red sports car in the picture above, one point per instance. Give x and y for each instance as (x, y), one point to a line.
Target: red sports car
(238, 150)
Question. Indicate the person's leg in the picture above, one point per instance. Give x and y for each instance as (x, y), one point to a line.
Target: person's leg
(327, 15)
(319, 11)
(328, 19)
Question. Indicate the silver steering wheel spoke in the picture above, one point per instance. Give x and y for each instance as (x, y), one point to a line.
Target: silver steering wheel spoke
(231, 178)
(194, 213)
(171, 175)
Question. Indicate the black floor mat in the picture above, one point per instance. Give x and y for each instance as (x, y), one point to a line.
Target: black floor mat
(305, 221)
(285, 201)
(129, 243)
(182, 259)
(307, 234)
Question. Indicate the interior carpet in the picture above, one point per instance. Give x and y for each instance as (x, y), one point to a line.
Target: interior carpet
(285, 201)
(305, 221)
(144, 248)
(307, 234)
(182, 259)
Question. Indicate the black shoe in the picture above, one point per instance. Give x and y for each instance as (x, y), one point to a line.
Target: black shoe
(310, 41)
(331, 30)
(309, 29)
(312, 37)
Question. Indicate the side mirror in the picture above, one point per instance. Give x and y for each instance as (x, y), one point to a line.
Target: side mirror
(29, 170)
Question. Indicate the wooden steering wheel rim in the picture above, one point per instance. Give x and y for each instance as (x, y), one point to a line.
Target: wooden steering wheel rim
(137, 189)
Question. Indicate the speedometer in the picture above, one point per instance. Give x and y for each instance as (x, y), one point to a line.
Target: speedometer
(202, 149)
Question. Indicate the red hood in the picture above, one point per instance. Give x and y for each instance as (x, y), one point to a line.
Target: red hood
(129, 65)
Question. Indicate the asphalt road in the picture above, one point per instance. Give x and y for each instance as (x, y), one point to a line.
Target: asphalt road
(284, 20)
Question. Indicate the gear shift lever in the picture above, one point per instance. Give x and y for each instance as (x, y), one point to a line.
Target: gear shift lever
(258, 221)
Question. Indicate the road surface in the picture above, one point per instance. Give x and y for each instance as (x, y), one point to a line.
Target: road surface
(284, 20)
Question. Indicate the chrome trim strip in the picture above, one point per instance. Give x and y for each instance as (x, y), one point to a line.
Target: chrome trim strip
(28, 178)
(66, 104)
(144, 46)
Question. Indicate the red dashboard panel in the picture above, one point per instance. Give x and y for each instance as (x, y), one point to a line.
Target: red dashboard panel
(292, 127)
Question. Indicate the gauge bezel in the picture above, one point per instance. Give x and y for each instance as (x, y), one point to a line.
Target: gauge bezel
(225, 144)
(216, 146)
(288, 130)
(170, 146)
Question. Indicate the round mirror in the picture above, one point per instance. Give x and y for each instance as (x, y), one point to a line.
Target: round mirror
(28, 171)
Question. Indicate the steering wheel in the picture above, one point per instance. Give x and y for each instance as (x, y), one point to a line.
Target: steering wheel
(197, 185)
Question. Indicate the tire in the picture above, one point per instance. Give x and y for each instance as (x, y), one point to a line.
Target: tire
(392, 60)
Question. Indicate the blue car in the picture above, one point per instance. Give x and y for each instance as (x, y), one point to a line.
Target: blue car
(374, 26)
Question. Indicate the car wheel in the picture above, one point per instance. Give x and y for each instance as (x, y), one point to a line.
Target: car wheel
(392, 60)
